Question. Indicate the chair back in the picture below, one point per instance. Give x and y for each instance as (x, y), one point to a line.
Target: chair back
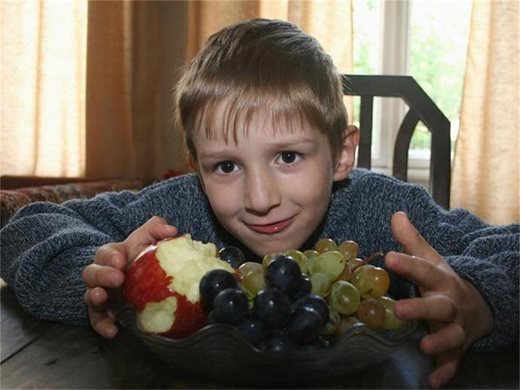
(421, 107)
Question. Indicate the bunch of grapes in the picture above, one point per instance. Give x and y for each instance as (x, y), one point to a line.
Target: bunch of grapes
(355, 290)
(294, 299)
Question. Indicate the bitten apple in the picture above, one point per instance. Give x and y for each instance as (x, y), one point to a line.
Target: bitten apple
(163, 285)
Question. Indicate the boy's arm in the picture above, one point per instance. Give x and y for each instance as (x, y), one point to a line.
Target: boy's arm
(485, 255)
(42, 257)
(491, 264)
(456, 312)
(46, 246)
(488, 256)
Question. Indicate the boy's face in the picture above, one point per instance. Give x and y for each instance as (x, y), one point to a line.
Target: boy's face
(271, 188)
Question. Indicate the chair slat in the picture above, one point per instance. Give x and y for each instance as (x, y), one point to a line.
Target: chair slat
(422, 108)
(402, 145)
(365, 128)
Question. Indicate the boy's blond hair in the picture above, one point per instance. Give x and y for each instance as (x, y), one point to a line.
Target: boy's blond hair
(268, 69)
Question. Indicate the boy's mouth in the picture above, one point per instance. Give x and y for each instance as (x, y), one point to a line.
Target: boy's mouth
(272, 228)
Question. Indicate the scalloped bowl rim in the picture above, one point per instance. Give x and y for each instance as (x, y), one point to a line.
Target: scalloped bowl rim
(212, 351)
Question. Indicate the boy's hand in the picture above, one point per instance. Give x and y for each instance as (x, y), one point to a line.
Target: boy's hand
(456, 312)
(106, 274)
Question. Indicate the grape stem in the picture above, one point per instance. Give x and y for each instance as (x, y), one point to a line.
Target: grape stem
(369, 259)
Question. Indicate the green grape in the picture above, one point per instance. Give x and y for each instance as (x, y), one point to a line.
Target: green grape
(247, 267)
(310, 254)
(344, 297)
(325, 244)
(347, 323)
(320, 284)
(328, 329)
(361, 279)
(267, 259)
(372, 282)
(330, 263)
(300, 258)
(334, 317)
(253, 281)
(353, 264)
(391, 321)
(331, 327)
(380, 282)
(346, 274)
(371, 312)
(349, 249)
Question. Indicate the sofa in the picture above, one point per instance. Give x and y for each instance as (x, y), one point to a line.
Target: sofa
(18, 191)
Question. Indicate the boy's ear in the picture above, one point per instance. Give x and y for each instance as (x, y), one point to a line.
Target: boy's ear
(347, 155)
(195, 168)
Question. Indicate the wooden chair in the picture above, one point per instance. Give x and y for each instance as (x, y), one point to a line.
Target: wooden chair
(421, 107)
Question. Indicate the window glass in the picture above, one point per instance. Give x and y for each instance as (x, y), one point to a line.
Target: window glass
(437, 58)
(437, 42)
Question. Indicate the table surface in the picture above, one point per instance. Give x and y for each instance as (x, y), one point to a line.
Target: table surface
(41, 354)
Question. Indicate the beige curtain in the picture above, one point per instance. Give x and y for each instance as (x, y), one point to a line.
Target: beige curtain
(135, 50)
(99, 101)
(43, 60)
(330, 21)
(486, 165)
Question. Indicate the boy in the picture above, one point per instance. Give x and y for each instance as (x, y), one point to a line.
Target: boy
(265, 126)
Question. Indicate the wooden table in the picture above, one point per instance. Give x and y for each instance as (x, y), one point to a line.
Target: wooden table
(40, 354)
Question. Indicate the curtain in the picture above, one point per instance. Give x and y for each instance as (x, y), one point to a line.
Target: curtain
(330, 21)
(485, 177)
(43, 87)
(111, 104)
(129, 112)
(135, 50)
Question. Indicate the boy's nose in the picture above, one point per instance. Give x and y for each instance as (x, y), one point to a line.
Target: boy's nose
(261, 192)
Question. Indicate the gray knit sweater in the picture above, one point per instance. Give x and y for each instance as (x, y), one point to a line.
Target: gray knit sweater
(45, 246)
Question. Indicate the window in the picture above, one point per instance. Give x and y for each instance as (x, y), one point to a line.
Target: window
(424, 39)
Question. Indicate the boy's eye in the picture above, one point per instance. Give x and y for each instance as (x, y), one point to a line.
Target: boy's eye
(288, 157)
(226, 167)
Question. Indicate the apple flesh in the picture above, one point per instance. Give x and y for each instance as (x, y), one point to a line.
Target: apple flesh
(163, 285)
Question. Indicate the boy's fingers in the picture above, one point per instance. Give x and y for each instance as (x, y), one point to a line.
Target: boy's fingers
(448, 338)
(447, 365)
(159, 228)
(416, 269)
(102, 324)
(98, 275)
(153, 230)
(96, 298)
(111, 255)
(438, 308)
(411, 240)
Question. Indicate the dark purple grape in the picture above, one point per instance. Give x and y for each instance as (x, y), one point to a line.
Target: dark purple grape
(272, 307)
(284, 274)
(231, 306)
(253, 330)
(314, 302)
(305, 288)
(304, 326)
(320, 343)
(233, 255)
(279, 342)
(212, 283)
(210, 319)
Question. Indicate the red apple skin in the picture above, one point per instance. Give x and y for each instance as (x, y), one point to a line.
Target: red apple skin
(147, 282)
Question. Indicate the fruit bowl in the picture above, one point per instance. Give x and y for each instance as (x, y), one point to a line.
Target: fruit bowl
(221, 352)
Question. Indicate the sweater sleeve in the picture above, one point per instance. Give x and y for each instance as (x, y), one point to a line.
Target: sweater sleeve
(488, 256)
(44, 249)
(45, 246)
(490, 261)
